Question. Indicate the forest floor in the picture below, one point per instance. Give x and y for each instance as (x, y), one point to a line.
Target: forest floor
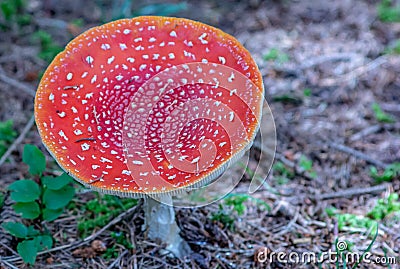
(330, 70)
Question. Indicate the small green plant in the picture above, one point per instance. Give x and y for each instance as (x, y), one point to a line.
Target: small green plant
(2, 198)
(100, 210)
(385, 207)
(13, 12)
(388, 11)
(394, 49)
(120, 239)
(307, 165)
(380, 115)
(276, 55)
(48, 48)
(223, 217)
(283, 173)
(287, 98)
(235, 201)
(331, 211)
(78, 22)
(355, 221)
(307, 92)
(31, 240)
(37, 200)
(7, 135)
(390, 173)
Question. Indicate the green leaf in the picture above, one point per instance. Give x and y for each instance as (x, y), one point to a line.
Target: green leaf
(307, 92)
(331, 211)
(16, 229)
(276, 55)
(32, 231)
(305, 163)
(380, 115)
(388, 11)
(7, 132)
(51, 214)
(28, 210)
(55, 199)
(2, 198)
(24, 190)
(388, 174)
(33, 157)
(7, 10)
(44, 242)
(56, 183)
(28, 250)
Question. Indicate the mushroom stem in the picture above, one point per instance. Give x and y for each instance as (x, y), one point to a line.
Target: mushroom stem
(160, 224)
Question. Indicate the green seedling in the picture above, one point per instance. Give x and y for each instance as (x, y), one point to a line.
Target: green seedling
(391, 172)
(394, 49)
(355, 221)
(307, 165)
(224, 217)
(235, 201)
(100, 210)
(307, 92)
(380, 115)
(13, 12)
(37, 201)
(388, 11)
(78, 22)
(276, 55)
(287, 98)
(48, 48)
(385, 207)
(7, 135)
(121, 240)
(283, 173)
(110, 253)
(331, 211)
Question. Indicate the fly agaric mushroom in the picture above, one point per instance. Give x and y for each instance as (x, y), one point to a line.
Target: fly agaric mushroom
(90, 102)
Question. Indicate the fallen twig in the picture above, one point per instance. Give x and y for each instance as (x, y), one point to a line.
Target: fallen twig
(117, 260)
(331, 81)
(314, 61)
(7, 264)
(23, 87)
(367, 131)
(358, 154)
(374, 129)
(352, 192)
(17, 141)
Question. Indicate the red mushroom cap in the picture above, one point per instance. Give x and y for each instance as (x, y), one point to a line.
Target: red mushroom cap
(90, 95)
